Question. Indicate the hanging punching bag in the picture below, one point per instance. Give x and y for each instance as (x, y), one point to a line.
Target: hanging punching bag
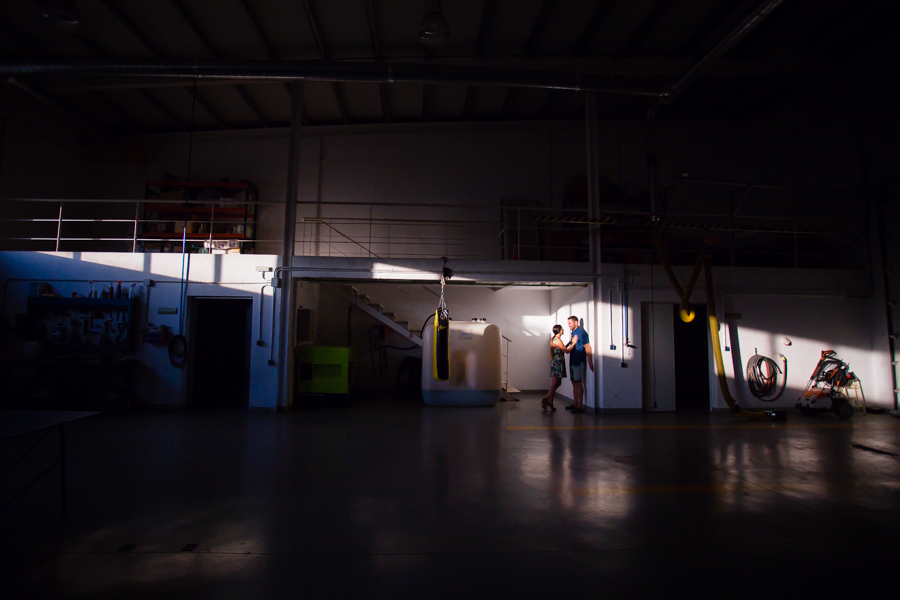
(441, 354)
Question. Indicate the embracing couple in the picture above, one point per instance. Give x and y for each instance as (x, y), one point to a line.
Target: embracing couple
(579, 351)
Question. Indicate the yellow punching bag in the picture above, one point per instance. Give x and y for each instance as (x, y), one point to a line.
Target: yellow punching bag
(441, 354)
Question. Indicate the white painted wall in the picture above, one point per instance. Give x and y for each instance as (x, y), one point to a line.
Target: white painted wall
(568, 302)
(476, 166)
(521, 313)
(158, 382)
(485, 163)
(816, 309)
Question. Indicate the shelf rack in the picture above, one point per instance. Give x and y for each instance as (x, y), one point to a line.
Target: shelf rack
(219, 216)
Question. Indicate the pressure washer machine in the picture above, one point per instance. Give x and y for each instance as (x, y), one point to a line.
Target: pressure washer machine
(825, 388)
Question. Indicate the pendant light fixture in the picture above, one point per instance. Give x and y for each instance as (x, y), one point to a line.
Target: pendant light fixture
(434, 30)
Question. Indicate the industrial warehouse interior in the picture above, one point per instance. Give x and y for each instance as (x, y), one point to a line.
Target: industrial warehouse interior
(281, 284)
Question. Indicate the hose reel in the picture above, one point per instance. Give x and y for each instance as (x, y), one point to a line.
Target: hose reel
(763, 384)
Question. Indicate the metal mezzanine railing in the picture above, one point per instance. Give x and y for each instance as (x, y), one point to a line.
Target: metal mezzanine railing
(502, 230)
(351, 229)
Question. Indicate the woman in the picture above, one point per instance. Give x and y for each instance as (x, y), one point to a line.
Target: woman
(558, 351)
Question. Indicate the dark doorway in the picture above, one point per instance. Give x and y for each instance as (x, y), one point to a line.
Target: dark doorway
(691, 362)
(220, 352)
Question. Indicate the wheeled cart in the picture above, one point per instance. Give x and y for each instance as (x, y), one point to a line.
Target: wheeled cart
(826, 388)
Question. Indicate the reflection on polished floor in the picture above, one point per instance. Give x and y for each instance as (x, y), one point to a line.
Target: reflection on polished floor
(403, 500)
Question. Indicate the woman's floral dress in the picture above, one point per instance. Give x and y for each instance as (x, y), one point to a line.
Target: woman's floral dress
(558, 363)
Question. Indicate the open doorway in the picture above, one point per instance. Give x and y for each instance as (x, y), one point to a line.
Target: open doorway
(691, 361)
(219, 365)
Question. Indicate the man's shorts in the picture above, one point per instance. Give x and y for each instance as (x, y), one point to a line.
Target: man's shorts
(577, 372)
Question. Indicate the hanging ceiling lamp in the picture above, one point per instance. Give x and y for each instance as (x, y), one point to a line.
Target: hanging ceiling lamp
(434, 30)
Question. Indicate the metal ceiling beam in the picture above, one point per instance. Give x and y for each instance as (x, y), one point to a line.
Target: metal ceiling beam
(599, 67)
(373, 30)
(135, 31)
(508, 103)
(323, 53)
(85, 41)
(484, 30)
(16, 36)
(192, 90)
(647, 27)
(598, 19)
(154, 50)
(330, 71)
(712, 22)
(385, 102)
(376, 54)
(94, 48)
(849, 26)
(467, 105)
(186, 18)
(208, 47)
(544, 112)
(253, 19)
(270, 54)
(314, 30)
(540, 26)
(118, 111)
(157, 103)
(339, 98)
(764, 38)
(757, 16)
(32, 46)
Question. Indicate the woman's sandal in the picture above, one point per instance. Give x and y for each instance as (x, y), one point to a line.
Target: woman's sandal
(544, 403)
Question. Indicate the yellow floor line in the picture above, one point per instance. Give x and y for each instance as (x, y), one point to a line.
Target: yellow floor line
(726, 488)
(765, 426)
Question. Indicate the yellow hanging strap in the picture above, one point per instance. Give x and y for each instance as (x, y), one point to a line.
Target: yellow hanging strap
(685, 311)
(687, 315)
(753, 415)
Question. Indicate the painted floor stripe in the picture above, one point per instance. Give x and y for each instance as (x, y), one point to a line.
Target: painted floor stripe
(766, 426)
(727, 488)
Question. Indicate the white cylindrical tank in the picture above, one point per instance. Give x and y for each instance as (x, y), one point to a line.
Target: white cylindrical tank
(475, 377)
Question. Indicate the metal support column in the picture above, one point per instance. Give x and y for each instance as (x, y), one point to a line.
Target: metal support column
(285, 366)
(596, 292)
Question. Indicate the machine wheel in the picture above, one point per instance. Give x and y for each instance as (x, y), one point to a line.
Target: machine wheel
(844, 410)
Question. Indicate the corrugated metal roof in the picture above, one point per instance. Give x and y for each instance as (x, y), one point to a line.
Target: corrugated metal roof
(636, 43)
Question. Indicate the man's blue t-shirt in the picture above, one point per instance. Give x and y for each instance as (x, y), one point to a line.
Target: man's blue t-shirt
(579, 355)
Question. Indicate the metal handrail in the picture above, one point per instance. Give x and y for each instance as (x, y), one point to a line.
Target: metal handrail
(393, 235)
(504, 383)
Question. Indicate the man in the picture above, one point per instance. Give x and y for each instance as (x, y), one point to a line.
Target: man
(579, 354)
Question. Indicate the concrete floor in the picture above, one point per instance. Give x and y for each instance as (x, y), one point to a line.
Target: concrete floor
(403, 500)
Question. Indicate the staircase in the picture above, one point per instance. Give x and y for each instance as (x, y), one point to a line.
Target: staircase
(376, 310)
